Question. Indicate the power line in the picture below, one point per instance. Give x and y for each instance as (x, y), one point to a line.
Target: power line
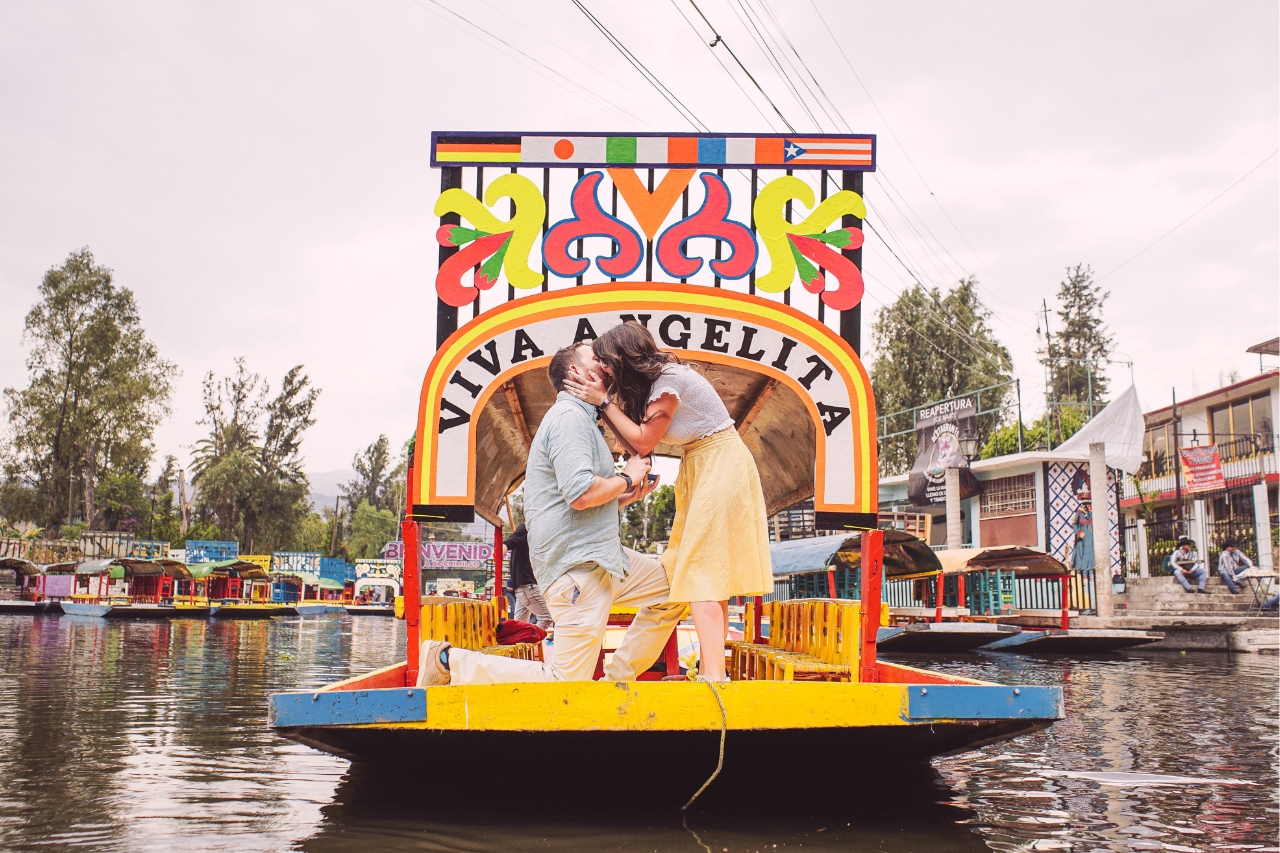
(648, 75)
(905, 153)
(720, 40)
(582, 91)
(761, 41)
(724, 67)
(1193, 215)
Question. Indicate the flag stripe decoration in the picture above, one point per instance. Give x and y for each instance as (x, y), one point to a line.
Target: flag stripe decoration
(601, 150)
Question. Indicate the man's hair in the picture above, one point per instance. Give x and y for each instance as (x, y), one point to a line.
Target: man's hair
(558, 369)
(1231, 543)
(1184, 541)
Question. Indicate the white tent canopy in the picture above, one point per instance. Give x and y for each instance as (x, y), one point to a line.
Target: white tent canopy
(1120, 426)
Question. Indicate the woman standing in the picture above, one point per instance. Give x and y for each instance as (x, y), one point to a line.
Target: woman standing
(719, 540)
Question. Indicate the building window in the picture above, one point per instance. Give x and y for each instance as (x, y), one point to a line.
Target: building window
(1243, 428)
(1158, 443)
(1009, 496)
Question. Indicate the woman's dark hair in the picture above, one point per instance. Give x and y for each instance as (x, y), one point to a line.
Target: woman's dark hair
(631, 353)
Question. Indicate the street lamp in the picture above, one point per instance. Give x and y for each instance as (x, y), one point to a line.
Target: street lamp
(968, 445)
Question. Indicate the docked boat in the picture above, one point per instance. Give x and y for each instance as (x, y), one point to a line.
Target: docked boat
(27, 594)
(811, 691)
(239, 589)
(310, 594)
(828, 566)
(374, 594)
(1018, 585)
(124, 588)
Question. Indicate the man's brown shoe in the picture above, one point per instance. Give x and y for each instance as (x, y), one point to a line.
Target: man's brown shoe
(431, 672)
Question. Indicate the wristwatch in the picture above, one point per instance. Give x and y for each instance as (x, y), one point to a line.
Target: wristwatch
(603, 405)
(630, 483)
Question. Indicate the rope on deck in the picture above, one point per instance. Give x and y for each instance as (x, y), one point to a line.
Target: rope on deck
(724, 727)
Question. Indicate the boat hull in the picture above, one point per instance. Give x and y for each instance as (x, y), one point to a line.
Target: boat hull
(252, 611)
(29, 607)
(120, 611)
(941, 637)
(370, 609)
(319, 609)
(1074, 641)
(665, 730)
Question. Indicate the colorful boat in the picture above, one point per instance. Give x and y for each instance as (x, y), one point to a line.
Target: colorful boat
(374, 594)
(124, 588)
(827, 566)
(310, 594)
(811, 692)
(1018, 585)
(28, 595)
(239, 589)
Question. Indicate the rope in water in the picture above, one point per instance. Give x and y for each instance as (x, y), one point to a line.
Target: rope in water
(724, 727)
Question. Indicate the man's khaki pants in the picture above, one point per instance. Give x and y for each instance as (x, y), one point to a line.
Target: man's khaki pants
(579, 601)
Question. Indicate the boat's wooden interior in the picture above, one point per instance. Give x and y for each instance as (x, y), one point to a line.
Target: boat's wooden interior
(771, 418)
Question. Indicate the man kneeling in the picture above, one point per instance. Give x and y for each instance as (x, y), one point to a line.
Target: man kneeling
(571, 501)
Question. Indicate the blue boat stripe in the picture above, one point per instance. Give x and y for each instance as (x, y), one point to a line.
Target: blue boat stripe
(349, 707)
(980, 702)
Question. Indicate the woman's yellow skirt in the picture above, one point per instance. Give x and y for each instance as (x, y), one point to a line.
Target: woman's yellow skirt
(720, 538)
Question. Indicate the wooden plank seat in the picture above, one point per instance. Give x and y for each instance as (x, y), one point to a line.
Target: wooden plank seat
(811, 639)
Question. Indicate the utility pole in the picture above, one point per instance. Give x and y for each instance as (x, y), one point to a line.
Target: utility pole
(1177, 469)
(337, 520)
(1048, 377)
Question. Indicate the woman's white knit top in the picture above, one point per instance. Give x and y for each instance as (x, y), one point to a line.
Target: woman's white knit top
(701, 411)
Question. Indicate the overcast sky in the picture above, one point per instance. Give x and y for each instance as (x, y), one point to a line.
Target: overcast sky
(257, 173)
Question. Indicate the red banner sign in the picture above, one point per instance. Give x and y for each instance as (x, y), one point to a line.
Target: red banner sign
(1203, 468)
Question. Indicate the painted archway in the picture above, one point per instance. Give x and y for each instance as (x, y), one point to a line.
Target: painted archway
(799, 357)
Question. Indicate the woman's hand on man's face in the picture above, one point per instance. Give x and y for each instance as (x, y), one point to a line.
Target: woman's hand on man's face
(585, 385)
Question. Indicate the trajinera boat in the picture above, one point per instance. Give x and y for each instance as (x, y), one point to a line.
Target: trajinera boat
(811, 696)
(124, 588)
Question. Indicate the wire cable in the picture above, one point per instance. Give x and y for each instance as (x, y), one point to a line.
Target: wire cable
(1192, 216)
(719, 61)
(648, 75)
(568, 84)
(719, 39)
(905, 154)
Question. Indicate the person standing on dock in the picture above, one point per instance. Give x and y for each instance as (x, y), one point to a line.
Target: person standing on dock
(1186, 566)
(571, 501)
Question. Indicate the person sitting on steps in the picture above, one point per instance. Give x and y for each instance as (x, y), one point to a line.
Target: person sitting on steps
(1186, 566)
(1231, 563)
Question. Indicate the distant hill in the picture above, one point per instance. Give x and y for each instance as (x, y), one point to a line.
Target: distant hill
(324, 486)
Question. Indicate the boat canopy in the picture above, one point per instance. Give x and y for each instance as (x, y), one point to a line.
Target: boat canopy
(99, 567)
(305, 578)
(1009, 558)
(376, 580)
(24, 568)
(330, 583)
(227, 568)
(904, 554)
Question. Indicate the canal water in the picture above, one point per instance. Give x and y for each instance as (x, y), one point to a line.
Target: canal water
(152, 736)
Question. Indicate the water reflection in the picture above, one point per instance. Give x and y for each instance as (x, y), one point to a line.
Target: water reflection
(152, 736)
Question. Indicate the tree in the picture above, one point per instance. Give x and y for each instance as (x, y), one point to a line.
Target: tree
(372, 483)
(98, 388)
(1004, 440)
(1077, 354)
(931, 346)
(371, 529)
(250, 477)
